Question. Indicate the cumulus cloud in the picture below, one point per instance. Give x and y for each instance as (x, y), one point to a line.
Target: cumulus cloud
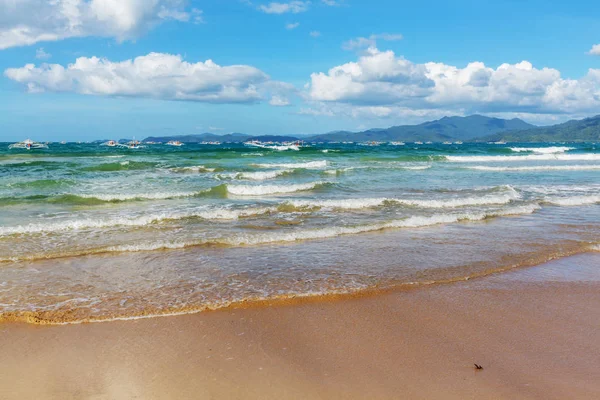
(595, 50)
(292, 25)
(156, 75)
(294, 7)
(382, 79)
(25, 22)
(371, 41)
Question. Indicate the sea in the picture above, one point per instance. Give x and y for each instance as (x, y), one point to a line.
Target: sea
(94, 233)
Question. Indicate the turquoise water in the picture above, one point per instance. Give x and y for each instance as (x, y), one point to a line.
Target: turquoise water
(98, 232)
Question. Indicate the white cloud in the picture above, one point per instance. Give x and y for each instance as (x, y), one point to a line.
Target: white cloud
(315, 34)
(40, 54)
(371, 41)
(381, 79)
(292, 25)
(25, 22)
(279, 101)
(156, 75)
(595, 50)
(294, 7)
(332, 2)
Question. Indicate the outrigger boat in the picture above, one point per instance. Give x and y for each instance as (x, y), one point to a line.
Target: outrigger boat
(174, 143)
(28, 144)
(110, 143)
(133, 145)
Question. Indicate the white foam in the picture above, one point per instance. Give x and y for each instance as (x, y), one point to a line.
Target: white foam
(531, 157)
(139, 196)
(265, 190)
(411, 222)
(542, 150)
(354, 204)
(305, 165)
(539, 168)
(261, 175)
(573, 200)
(132, 221)
(196, 168)
(416, 167)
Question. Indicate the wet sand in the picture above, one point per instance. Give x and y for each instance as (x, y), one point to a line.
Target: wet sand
(535, 331)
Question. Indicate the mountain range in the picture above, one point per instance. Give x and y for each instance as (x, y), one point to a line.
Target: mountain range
(474, 128)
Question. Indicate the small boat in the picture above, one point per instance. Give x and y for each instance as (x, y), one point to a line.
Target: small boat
(418, 142)
(459, 142)
(397, 143)
(28, 144)
(174, 143)
(447, 143)
(110, 143)
(133, 145)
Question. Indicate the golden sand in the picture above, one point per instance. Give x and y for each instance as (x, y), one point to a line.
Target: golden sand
(534, 331)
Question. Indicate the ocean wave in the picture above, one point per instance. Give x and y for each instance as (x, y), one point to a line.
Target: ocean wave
(42, 184)
(290, 236)
(265, 190)
(573, 200)
(355, 204)
(542, 150)
(137, 221)
(120, 166)
(196, 168)
(304, 165)
(255, 176)
(539, 168)
(531, 157)
(324, 233)
(410, 222)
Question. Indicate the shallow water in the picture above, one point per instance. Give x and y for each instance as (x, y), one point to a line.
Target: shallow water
(90, 232)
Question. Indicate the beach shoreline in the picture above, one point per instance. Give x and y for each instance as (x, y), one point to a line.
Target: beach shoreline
(532, 330)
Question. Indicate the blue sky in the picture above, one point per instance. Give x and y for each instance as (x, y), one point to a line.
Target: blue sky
(289, 67)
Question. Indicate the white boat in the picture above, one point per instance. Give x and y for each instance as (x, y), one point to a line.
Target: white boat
(110, 143)
(397, 143)
(28, 144)
(418, 142)
(447, 143)
(459, 142)
(133, 145)
(174, 143)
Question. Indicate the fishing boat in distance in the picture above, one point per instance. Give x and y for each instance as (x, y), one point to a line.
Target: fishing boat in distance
(174, 143)
(397, 143)
(110, 143)
(28, 144)
(133, 145)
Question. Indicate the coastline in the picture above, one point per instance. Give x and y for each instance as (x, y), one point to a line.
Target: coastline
(532, 329)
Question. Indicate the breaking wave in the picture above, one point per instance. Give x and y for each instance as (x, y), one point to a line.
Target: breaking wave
(265, 190)
(531, 157)
(542, 150)
(305, 165)
(539, 168)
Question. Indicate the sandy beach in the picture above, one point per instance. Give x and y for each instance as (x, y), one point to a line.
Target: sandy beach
(534, 331)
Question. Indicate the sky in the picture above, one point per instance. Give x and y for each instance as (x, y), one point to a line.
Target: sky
(93, 69)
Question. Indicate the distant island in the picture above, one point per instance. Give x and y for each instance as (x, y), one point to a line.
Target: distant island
(474, 128)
